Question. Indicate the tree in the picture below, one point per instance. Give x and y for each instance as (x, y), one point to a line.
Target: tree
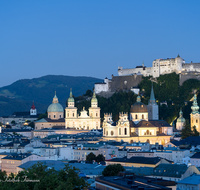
(13, 122)
(100, 158)
(90, 157)
(44, 115)
(31, 124)
(195, 132)
(186, 131)
(88, 93)
(113, 170)
(45, 178)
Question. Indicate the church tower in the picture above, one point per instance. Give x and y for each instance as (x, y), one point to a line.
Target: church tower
(33, 110)
(152, 107)
(195, 116)
(94, 112)
(180, 121)
(70, 112)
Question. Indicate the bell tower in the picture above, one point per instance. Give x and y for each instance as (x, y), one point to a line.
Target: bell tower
(152, 107)
(195, 116)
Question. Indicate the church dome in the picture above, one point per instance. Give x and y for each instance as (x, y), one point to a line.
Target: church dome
(138, 107)
(181, 118)
(55, 106)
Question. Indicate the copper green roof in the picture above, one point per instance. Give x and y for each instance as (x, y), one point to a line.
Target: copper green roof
(70, 99)
(55, 106)
(195, 107)
(94, 99)
(181, 118)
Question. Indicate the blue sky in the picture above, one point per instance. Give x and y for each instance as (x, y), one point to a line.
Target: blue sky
(93, 37)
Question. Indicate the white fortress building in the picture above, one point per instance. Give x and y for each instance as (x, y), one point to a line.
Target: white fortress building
(129, 79)
(161, 67)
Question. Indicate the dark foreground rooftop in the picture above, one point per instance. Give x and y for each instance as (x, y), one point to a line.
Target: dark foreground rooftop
(127, 181)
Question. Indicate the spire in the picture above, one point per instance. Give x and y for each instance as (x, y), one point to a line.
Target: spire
(33, 106)
(180, 113)
(55, 99)
(94, 95)
(152, 97)
(178, 55)
(195, 107)
(94, 101)
(70, 95)
(70, 99)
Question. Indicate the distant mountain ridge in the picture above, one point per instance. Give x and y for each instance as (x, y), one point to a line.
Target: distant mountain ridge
(19, 95)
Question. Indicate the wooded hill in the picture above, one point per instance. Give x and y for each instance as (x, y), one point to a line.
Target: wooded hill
(20, 95)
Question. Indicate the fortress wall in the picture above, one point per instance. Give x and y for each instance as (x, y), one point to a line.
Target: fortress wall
(124, 82)
(184, 77)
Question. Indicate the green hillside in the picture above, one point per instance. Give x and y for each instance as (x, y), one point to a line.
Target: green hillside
(20, 95)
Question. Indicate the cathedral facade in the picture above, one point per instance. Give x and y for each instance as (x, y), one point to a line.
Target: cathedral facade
(87, 120)
(139, 125)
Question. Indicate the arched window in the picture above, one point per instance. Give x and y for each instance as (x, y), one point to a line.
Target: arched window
(54, 116)
(112, 133)
(106, 132)
(125, 131)
(136, 116)
(142, 116)
(73, 114)
(196, 121)
(60, 116)
(119, 131)
(96, 114)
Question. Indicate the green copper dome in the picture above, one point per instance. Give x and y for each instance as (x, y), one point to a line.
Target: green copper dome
(55, 106)
(138, 107)
(94, 99)
(181, 119)
(70, 99)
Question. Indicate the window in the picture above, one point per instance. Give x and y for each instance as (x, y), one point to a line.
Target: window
(119, 131)
(96, 114)
(136, 116)
(142, 116)
(112, 133)
(73, 114)
(60, 116)
(49, 116)
(196, 121)
(125, 131)
(54, 116)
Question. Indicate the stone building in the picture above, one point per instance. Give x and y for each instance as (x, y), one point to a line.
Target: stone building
(161, 67)
(84, 121)
(137, 126)
(55, 116)
(118, 83)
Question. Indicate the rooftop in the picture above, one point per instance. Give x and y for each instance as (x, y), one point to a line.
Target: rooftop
(130, 181)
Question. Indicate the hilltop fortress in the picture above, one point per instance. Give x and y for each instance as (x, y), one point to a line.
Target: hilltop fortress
(130, 78)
